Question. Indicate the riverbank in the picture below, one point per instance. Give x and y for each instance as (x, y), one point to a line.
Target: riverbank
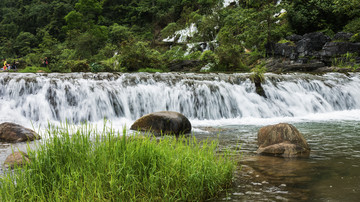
(87, 165)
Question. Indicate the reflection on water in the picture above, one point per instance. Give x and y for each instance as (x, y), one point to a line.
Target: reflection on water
(332, 173)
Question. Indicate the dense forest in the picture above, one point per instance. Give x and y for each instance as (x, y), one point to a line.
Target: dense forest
(128, 35)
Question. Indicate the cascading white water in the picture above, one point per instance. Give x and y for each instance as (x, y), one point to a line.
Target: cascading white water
(91, 97)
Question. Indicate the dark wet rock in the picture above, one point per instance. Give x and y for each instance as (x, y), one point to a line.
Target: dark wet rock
(17, 158)
(184, 65)
(316, 40)
(294, 38)
(302, 65)
(11, 132)
(282, 140)
(257, 79)
(342, 36)
(164, 122)
(307, 45)
(285, 50)
(303, 47)
(332, 49)
(330, 69)
(310, 43)
(313, 51)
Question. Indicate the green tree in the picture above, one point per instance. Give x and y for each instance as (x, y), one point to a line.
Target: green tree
(136, 55)
(119, 33)
(24, 43)
(331, 16)
(83, 33)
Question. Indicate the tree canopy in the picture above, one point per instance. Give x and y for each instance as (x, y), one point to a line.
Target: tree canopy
(110, 32)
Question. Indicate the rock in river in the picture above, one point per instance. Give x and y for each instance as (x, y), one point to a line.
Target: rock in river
(282, 140)
(165, 122)
(11, 132)
(17, 158)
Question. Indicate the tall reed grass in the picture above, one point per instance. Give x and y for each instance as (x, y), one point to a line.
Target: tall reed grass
(85, 165)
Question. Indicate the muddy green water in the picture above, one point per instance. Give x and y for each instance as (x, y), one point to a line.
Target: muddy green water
(332, 173)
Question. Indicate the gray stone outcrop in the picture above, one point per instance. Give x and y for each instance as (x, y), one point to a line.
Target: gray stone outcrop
(312, 51)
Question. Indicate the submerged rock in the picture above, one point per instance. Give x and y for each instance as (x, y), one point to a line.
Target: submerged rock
(11, 132)
(165, 122)
(282, 140)
(17, 158)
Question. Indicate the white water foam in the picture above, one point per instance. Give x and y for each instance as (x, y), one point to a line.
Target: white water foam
(226, 3)
(351, 115)
(206, 99)
(183, 34)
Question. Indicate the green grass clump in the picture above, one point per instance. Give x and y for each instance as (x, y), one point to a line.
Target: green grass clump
(92, 166)
(34, 69)
(150, 70)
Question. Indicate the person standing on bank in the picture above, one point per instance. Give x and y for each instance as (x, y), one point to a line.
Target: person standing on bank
(5, 64)
(45, 62)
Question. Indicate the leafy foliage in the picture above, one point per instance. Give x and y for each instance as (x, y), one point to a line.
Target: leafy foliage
(353, 26)
(315, 15)
(125, 35)
(136, 55)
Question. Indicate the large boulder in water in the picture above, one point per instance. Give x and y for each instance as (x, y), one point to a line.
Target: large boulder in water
(11, 132)
(164, 122)
(282, 140)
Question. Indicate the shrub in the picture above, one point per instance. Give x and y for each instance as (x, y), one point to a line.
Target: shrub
(33, 59)
(78, 65)
(347, 61)
(175, 53)
(96, 67)
(258, 73)
(169, 29)
(136, 55)
(34, 69)
(353, 26)
(209, 57)
(355, 38)
(150, 70)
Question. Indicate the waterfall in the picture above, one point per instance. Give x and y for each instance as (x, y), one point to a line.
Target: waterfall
(79, 97)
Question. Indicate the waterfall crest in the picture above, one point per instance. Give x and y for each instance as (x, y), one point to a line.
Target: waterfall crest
(80, 97)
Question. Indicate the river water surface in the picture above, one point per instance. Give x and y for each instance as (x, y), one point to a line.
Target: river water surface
(325, 108)
(332, 173)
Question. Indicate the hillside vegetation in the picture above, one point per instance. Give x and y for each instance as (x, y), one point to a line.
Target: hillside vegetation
(128, 35)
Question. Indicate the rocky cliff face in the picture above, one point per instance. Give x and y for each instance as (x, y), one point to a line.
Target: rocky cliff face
(313, 52)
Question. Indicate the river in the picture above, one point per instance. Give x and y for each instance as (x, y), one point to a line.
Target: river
(325, 108)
